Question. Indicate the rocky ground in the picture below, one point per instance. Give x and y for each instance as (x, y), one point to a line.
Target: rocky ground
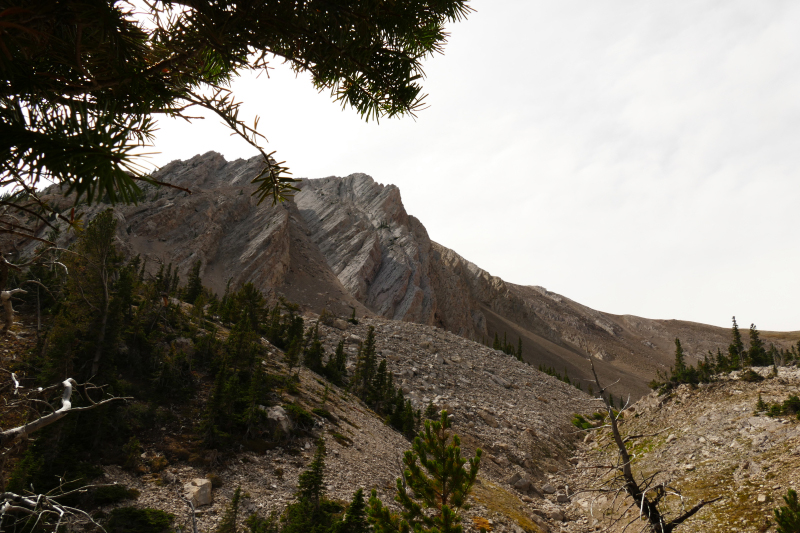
(537, 470)
(519, 416)
(708, 442)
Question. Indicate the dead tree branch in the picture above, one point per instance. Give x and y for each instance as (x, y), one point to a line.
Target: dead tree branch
(646, 496)
(10, 435)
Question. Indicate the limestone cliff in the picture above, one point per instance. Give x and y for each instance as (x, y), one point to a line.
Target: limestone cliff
(343, 243)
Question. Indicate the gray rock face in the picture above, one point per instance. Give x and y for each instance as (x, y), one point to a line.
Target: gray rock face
(348, 242)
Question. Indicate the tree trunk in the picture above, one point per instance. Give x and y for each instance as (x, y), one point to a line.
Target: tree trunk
(103, 322)
(8, 309)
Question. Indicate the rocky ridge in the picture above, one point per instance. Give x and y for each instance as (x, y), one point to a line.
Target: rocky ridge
(345, 243)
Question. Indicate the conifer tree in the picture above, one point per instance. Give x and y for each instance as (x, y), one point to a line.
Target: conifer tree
(365, 366)
(314, 351)
(788, 516)
(438, 481)
(335, 368)
(377, 394)
(430, 412)
(496, 344)
(680, 360)
(721, 364)
(355, 520)
(312, 513)
(228, 522)
(736, 348)
(756, 354)
(194, 285)
(519, 348)
(253, 414)
(310, 483)
(761, 405)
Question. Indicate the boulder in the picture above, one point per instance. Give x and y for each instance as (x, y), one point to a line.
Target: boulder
(516, 477)
(548, 489)
(541, 523)
(523, 485)
(277, 415)
(340, 324)
(198, 491)
(500, 381)
(556, 514)
(488, 419)
(562, 498)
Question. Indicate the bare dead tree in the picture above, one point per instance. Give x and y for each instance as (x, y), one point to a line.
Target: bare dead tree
(646, 497)
(29, 511)
(31, 399)
(7, 294)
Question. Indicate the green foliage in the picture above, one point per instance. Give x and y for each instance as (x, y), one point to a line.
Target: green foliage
(550, 371)
(789, 407)
(756, 354)
(735, 349)
(355, 519)
(310, 483)
(761, 405)
(438, 481)
(231, 515)
(312, 512)
(353, 320)
(580, 422)
(108, 494)
(82, 125)
(194, 285)
(751, 376)
(256, 524)
(788, 516)
(285, 330)
(374, 384)
(299, 416)
(335, 369)
(133, 520)
(430, 412)
(681, 373)
(324, 413)
(314, 352)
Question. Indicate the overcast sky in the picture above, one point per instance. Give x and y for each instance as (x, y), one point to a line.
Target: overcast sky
(639, 157)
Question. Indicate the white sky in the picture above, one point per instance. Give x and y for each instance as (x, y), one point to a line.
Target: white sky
(639, 157)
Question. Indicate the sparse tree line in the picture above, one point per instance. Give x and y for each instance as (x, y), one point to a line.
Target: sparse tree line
(507, 347)
(737, 358)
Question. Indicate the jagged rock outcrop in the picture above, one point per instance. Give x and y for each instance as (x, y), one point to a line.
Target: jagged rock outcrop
(343, 243)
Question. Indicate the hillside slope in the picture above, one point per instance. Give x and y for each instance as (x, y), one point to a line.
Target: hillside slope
(707, 442)
(345, 243)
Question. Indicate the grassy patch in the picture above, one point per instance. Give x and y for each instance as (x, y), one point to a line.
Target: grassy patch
(498, 500)
(133, 520)
(342, 439)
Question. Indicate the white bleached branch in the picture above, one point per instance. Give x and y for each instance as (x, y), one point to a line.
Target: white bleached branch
(5, 300)
(43, 421)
